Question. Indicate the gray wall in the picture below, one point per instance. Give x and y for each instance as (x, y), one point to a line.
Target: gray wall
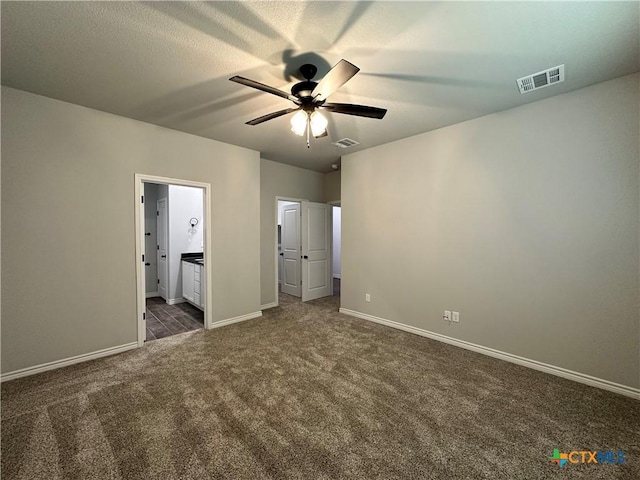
(68, 224)
(277, 179)
(332, 186)
(525, 221)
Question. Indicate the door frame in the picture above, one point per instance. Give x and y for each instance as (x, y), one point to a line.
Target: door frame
(139, 181)
(275, 248)
(166, 241)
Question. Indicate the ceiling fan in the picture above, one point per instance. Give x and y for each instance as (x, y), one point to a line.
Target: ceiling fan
(309, 97)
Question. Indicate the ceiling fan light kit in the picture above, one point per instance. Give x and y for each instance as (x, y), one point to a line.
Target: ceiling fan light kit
(318, 123)
(299, 122)
(310, 96)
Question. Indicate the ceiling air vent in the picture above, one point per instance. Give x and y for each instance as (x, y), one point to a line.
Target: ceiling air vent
(346, 143)
(541, 79)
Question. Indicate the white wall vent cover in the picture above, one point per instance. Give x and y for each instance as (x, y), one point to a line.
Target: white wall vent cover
(541, 79)
(346, 143)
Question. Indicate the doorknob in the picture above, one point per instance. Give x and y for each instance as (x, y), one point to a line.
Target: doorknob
(282, 254)
(147, 264)
(305, 257)
(163, 256)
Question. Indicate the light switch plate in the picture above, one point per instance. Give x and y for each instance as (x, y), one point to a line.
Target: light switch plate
(455, 317)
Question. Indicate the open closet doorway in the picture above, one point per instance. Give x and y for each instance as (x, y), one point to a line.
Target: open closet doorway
(173, 261)
(303, 250)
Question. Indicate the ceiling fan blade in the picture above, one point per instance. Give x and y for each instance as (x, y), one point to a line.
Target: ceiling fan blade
(270, 116)
(358, 110)
(264, 88)
(337, 76)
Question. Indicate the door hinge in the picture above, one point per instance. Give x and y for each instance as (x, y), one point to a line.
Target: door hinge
(157, 247)
(157, 213)
(158, 281)
(143, 258)
(142, 199)
(144, 316)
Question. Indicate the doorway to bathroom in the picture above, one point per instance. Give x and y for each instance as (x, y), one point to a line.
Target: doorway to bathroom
(173, 261)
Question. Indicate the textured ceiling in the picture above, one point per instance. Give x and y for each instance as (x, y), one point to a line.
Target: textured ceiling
(431, 64)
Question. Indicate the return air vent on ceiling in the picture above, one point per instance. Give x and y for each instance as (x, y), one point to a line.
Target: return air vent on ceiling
(541, 79)
(346, 143)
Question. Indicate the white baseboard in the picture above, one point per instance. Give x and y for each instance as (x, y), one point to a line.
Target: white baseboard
(24, 372)
(238, 319)
(525, 362)
(173, 301)
(336, 275)
(268, 305)
(151, 294)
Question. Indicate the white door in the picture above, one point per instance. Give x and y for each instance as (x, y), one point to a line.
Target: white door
(162, 247)
(316, 250)
(290, 250)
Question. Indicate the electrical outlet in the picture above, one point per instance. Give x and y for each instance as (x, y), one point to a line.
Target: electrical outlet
(447, 316)
(455, 317)
(367, 297)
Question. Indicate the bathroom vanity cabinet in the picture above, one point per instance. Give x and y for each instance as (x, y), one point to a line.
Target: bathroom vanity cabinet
(193, 282)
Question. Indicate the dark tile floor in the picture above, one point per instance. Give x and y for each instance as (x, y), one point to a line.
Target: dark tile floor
(164, 320)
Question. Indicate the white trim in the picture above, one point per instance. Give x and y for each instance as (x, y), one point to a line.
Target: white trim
(65, 362)
(525, 362)
(238, 319)
(336, 275)
(268, 305)
(151, 294)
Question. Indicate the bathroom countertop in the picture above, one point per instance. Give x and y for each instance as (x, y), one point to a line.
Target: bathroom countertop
(197, 258)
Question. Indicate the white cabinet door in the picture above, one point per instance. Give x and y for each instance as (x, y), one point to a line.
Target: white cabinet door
(187, 280)
(196, 284)
(203, 286)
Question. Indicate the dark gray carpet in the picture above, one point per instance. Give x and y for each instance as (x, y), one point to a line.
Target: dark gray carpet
(305, 392)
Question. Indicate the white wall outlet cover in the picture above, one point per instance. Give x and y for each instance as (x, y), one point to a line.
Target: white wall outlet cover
(455, 317)
(367, 297)
(447, 316)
